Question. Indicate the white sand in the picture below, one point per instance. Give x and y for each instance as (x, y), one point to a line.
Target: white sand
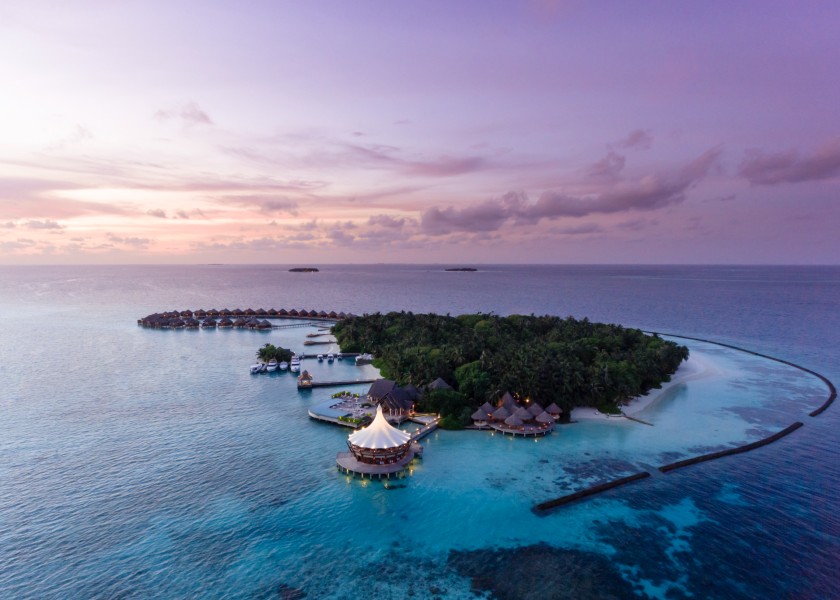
(696, 367)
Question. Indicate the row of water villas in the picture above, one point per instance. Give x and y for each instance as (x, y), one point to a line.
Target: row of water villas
(158, 321)
(515, 418)
(226, 318)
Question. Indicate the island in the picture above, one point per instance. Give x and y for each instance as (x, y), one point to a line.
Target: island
(463, 269)
(481, 361)
(303, 270)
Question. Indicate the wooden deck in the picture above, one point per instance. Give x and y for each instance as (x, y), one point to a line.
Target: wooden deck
(347, 463)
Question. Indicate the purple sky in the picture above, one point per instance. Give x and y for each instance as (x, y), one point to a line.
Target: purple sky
(550, 132)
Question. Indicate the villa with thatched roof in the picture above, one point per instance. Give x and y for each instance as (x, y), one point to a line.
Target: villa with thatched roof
(515, 418)
(398, 402)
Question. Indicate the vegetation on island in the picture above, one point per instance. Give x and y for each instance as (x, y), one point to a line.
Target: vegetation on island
(540, 358)
(269, 351)
(303, 270)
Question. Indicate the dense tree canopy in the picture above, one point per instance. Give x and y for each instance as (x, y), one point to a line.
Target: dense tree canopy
(269, 351)
(546, 359)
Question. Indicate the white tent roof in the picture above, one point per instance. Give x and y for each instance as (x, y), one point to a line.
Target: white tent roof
(379, 435)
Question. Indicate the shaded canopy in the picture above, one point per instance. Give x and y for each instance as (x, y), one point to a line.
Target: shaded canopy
(535, 409)
(513, 421)
(553, 409)
(380, 434)
(544, 417)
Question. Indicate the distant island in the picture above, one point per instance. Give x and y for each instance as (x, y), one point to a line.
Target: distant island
(481, 357)
(468, 269)
(303, 270)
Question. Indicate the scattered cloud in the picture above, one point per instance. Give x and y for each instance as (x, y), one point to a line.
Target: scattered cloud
(134, 242)
(639, 139)
(9, 225)
(387, 221)
(190, 114)
(265, 204)
(46, 224)
(766, 168)
(608, 168)
(648, 193)
(156, 212)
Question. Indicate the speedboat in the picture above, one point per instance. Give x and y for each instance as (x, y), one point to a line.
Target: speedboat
(272, 365)
(320, 358)
(256, 368)
(364, 359)
(283, 366)
(295, 366)
(330, 357)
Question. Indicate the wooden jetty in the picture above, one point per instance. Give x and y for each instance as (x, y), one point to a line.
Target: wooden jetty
(316, 384)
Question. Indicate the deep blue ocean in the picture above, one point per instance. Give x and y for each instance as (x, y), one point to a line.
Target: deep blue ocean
(138, 463)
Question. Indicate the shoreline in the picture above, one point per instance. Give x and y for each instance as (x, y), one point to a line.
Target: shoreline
(696, 367)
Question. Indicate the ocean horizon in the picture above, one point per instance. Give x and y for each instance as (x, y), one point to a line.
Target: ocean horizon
(142, 463)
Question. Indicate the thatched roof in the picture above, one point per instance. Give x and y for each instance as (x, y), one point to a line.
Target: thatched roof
(380, 388)
(439, 384)
(332, 314)
(487, 407)
(272, 311)
(321, 313)
(226, 322)
(544, 417)
(341, 315)
(413, 392)
(553, 409)
(535, 409)
(240, 322)
(513, 421)
(501, 413)
(523, 414)
(264, 324)
(480, 415)
(283, 312)
(293, 313)
(508, 402)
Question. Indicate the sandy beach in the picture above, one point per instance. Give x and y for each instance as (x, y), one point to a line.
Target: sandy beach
(696, 367)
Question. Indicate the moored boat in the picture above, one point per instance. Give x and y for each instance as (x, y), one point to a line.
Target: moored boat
(320, 358)
(283, 366)
(256, 368)
(272, 365)
(364, 359)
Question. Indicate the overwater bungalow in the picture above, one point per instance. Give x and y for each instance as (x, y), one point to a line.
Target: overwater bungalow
(178, 324)
(513, 421)
(480, 417)
(313, 313)
(238, 312)
(185, 313)
(272, 312)
(191, 323)
(293, 313)
(226, 323)
(240, 322)
(208, 322)
(332, 314)
(200, 313)
(282, 312)
(225, 312)
(544, 418)
(212, 313)
(264, 325)
(250, 312)
(261, 312)
(500, 414)
(487, 407)
(252, 323)
(554, 410)
(535, 409)
(322, 314)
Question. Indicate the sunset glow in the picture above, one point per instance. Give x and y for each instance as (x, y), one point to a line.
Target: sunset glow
(334, 132)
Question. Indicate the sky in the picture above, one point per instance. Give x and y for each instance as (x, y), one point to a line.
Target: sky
(419, 132)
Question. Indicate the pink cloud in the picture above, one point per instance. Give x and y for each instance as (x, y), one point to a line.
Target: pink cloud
(189, 113)
(765, 168)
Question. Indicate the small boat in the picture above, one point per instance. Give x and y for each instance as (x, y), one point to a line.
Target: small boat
(320, 358)
(330, 357)
(364, 359)
(256, 368)
(295, 366)
(283, 366)
(272, 365)
(339, 356)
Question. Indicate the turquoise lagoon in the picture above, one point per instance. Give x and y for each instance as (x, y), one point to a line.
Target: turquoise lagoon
(143, 463)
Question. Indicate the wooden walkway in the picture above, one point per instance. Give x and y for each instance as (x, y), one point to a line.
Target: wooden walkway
(316, 384)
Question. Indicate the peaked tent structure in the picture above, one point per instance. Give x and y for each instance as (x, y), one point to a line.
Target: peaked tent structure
(380, 442)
